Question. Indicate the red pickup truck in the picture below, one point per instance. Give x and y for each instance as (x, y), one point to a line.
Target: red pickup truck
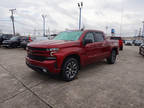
(120, 41)
(69, 51)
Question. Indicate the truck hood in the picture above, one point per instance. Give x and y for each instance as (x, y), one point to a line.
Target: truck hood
(8, 41)
(54, 44)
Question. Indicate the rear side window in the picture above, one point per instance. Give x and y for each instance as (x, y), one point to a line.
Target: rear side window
(99, 37)
(7, 36)
(89, 35)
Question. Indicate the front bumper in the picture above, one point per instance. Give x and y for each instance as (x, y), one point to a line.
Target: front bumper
(48, 66)
(5, 45)
(137, 44)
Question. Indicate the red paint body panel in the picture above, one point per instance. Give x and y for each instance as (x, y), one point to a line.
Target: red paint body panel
(49, 65)
(88, 54)
(119, 39)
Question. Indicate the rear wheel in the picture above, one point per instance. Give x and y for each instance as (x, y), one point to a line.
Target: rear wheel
(70, 69)
(112, 58)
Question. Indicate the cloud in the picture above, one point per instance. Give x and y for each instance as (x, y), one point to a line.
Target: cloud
(62, 14)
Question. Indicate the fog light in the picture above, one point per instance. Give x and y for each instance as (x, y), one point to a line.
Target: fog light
(44, 70)
(51, 58)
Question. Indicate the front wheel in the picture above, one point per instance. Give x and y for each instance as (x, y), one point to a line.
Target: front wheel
(14, 45)
(112, 58)
(70, 69)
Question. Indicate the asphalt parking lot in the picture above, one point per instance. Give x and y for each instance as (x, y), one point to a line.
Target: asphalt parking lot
(99, 85)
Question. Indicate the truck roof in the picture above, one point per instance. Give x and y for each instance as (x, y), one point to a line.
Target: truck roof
(83, 30)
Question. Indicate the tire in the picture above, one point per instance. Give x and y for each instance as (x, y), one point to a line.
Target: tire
(121, 48)
(112, 58)
(70, 69)
(14, 46)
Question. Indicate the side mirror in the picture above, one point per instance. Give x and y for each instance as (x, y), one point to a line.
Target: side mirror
(87, 41)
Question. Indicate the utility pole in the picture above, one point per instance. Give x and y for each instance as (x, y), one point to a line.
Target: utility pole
(139, 32)
(0, 31)
(135, 33)
(80, 5)
(122, 14)
(143, 30)
(106, 30)
(44, 16)
(12, 18)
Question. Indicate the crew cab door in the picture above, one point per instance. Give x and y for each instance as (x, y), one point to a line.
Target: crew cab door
(89, 48)
(101, 46)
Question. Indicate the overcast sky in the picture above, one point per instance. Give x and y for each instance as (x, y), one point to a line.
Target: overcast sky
(62, 14)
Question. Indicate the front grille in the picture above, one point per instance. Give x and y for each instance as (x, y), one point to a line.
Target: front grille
(5, 44)
(35, 57)
(37, 49)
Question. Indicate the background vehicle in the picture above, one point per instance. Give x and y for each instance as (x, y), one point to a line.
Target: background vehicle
(120, 41)
(13, 42)
(138, 42)
(5, 37)
(0, 39)
(70, 50)
(141, 49)
(39, 38)
(25, 41)
(129, 42)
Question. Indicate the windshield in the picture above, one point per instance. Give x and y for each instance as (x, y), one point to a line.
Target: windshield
(70, 36)
(14, 38)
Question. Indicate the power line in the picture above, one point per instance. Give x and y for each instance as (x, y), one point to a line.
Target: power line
(23, 24)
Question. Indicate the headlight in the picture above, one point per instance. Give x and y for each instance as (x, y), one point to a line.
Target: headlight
(53, 49)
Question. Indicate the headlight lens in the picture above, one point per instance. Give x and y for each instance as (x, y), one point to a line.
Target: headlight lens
(53, 49)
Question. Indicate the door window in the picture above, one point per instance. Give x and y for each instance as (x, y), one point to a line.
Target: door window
(99, 37)
(89, 36)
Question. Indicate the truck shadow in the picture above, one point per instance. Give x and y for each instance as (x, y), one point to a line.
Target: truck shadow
(89, 69)
(93, 65)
